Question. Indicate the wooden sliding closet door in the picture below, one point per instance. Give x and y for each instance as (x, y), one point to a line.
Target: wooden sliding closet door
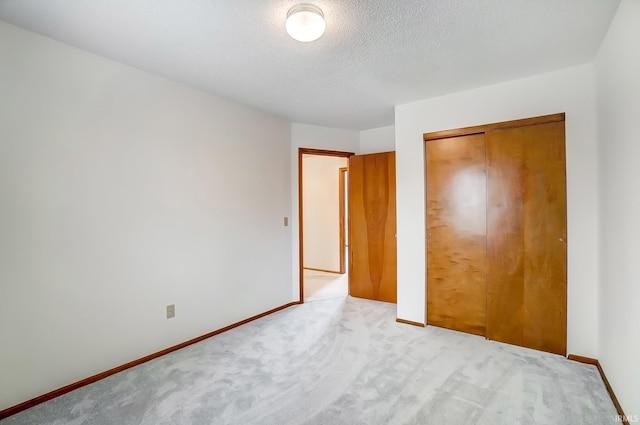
(526, 236)
(456, 233)
(372, 226)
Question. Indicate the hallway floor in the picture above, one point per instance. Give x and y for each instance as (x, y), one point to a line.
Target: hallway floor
(323, 285)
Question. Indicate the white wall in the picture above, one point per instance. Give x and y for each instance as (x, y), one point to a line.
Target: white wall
(321, 211)
(316, 137)
(376, 140)
(571, 91)
(618, 81)
(122, 192)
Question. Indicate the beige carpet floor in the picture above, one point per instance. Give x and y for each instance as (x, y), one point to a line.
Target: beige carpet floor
(339, 361)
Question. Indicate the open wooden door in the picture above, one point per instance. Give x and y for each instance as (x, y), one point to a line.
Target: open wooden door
(372, 227)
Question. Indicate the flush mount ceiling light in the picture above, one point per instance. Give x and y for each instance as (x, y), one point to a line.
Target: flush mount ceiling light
(305, 22)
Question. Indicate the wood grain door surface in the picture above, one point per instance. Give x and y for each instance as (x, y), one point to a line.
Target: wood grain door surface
(456, 233)
(496, 232)
(526, 237)
(372, 226)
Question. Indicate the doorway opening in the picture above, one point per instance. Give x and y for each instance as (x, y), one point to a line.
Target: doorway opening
(323, 217)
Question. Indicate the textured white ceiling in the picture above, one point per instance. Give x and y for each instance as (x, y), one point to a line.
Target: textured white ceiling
(375, 53)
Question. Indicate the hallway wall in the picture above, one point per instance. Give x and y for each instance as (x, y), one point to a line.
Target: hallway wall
(321, 211)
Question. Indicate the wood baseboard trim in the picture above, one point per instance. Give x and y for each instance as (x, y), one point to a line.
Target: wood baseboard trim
(410, 322)
(581, 359)
(596, 363)
(323, 270)
(84, 382)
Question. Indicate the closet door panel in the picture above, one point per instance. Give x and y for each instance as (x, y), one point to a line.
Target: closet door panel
(545, 228)
(526, 234)
(456, 233)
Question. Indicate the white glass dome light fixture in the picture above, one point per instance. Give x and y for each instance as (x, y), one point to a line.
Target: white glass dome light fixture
(305, 22)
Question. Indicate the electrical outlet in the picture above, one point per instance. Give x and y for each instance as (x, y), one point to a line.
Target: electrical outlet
(171, 311)
(286, 221)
